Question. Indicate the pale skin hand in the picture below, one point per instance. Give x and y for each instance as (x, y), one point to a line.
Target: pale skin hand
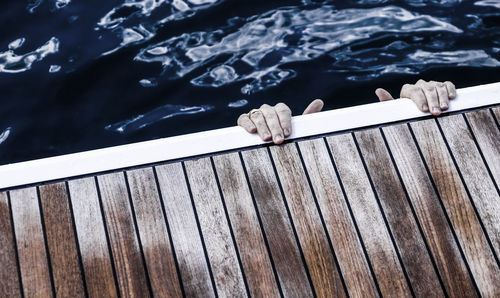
(274, 123)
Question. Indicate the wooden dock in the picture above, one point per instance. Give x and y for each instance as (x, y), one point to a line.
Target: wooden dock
(405, 209)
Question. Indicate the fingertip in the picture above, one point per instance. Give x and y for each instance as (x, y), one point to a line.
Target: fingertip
(436, 111)
(425, 108)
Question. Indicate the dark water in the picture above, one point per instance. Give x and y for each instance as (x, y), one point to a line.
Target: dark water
(78, 75)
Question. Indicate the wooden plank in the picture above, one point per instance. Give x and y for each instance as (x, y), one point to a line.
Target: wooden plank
(33, 262)
(487, 135)
(392, 197)
(215, 229)
(194, 270)
(92, 241)
(380, 249)
(276, 223)
(9, 277)
(339, 224)
(459, 208)
(153, 233)
(312, 236)
(496, 111)
(61, 241)
(431, 216)
(123, 240)
(245, 224)
(477, 179)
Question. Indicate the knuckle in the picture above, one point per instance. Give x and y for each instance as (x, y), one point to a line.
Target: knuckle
(420, 82)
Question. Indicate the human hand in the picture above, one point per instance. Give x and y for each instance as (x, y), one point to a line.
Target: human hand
(428, 96)
(274, 122)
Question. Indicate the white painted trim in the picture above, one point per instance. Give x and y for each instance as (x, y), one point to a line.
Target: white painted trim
(136, 154)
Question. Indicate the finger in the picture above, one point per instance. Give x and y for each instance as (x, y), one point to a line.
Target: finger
(285, 117)
(246, 123)
(432, 99)
(262, 129)
(383, 95)
(314, 107)
(420, 83)
(273, 123)
(416, 95)
(452, 92)
(444, 101)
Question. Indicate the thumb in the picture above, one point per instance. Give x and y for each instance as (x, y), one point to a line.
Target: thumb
(314, 107)
(383, 95)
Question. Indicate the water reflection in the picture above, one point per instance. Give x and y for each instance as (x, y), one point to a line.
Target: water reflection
(13, 63)
(257, 50)
(161, 113)
(5, 134)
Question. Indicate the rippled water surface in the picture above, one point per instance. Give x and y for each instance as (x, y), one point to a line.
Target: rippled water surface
(78, 75)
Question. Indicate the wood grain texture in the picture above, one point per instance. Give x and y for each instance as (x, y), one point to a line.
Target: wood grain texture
(431, 216)
(193, 267)
(479, 183)
(367, 214)
(215, 229)
(276, 223)
(392, 197)
(68, 278)
(245, 224)
(9, 277)
(123, 240)
(487, 135)
(496, 111)
(459, 208)
(345, 241)
(153, 233)
(33, 260)
(312, 236)
(91, 235)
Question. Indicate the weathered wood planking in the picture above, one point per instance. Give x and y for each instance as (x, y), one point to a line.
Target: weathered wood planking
(381, 252)
(246, 227)
(92, 238)
(122, 237)
(9, 278)
(33, 259)
(394, 201)
(221, 250)
(482, 189)
(318, 255)
(195, 274)
(153, 233)
(347, 246)
(463, 218)
(496, 112)
(487, 134)
(277, 227)
(405, 210)
(439, 235)
(61, 241)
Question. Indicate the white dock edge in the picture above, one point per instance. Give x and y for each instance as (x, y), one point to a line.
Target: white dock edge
(95, 161)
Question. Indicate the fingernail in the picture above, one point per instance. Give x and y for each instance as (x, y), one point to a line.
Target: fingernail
(267, 137)
(286, 131)
(444, 107)
(425, 108)
(436, 111)
(278, 139)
